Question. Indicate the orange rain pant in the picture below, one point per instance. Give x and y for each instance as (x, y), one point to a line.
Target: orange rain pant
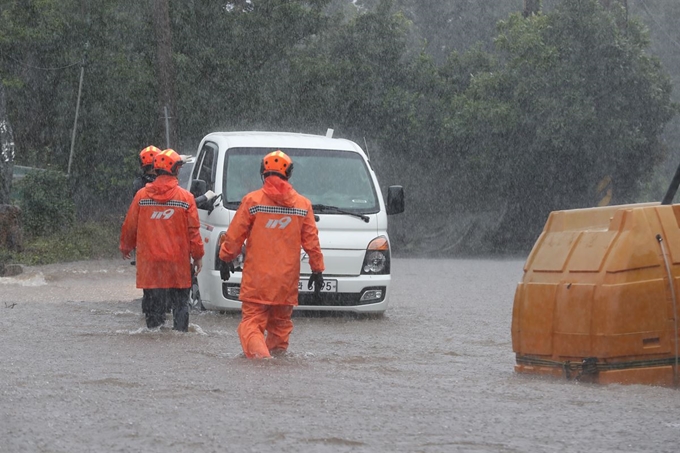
(256, 318)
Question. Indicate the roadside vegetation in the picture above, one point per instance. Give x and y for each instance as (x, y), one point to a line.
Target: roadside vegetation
(51, 231)
(490, 117)
(87, 241)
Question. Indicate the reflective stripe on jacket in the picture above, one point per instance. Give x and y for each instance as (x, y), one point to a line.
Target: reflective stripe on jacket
(277, 222)
(162, 224)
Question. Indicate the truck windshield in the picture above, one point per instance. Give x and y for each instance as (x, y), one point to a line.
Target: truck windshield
(327, 177)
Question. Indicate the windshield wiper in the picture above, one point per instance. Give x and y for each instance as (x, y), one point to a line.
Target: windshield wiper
(323, 207)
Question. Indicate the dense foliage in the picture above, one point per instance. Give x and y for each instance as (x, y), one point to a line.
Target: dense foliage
(488, 129)
(46, 204)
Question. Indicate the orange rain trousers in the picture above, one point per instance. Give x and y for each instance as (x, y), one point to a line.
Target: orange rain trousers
(256, 318)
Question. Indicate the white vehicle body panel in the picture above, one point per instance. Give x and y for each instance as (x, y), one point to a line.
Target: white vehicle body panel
(344, 238)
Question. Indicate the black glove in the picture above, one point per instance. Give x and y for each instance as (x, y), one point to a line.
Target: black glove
(317, 280)
(225, 269)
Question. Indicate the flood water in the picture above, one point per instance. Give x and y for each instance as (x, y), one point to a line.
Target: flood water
(81, 373)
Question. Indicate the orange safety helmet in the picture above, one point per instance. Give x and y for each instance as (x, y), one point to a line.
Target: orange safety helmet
(146, 156)
(168, 162)
(277, 162)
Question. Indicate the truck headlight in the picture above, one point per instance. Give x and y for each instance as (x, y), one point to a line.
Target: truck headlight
(377, 258)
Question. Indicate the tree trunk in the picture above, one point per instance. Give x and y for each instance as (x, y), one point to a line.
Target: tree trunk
(531, 7)
(166, 73)
(10, 216)
(6, 151)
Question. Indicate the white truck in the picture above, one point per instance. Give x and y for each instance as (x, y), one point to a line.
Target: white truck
(336, 175)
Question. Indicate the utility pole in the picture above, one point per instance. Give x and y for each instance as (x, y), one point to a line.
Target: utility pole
(167, 127)
(75, 120)
(166, 69)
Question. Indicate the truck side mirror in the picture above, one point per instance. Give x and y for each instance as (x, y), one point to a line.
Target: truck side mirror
(198, 187)
(395, 200)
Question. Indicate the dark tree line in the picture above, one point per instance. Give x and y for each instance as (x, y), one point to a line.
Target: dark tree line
(489, 117)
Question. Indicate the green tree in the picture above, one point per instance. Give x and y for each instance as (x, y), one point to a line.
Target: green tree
(46, 203)
(458, 25)
(567, 97)
(661, 19)
(231, 59)
(576, 99)
(42, 50)
(341, 79)
(34, 66)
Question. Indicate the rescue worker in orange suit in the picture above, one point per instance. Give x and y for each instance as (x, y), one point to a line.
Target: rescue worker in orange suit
(148, 174)
(275, 222)
(162, 225)
(146, 164)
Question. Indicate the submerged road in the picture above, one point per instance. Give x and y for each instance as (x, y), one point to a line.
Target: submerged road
(81, 373)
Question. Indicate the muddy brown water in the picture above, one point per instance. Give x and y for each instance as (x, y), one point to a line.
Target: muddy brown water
(81, 373)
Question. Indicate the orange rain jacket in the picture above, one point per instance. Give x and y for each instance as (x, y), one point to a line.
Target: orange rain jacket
(162, 224)
(277, 221)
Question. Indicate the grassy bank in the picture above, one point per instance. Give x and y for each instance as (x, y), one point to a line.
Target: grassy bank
(81, 242)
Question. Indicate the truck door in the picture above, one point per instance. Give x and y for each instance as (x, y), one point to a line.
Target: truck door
(203, 177)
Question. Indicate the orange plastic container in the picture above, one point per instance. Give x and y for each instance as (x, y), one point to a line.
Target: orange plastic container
(595, 301)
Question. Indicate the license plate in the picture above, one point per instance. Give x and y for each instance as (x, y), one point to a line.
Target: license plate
(329, 286)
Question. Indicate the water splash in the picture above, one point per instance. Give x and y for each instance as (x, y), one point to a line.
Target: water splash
(24, 280)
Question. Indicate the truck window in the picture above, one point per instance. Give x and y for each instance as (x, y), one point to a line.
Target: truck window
(329, 177)
(204, 168)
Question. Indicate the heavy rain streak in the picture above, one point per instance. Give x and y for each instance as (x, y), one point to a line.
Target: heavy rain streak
(497, 224)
